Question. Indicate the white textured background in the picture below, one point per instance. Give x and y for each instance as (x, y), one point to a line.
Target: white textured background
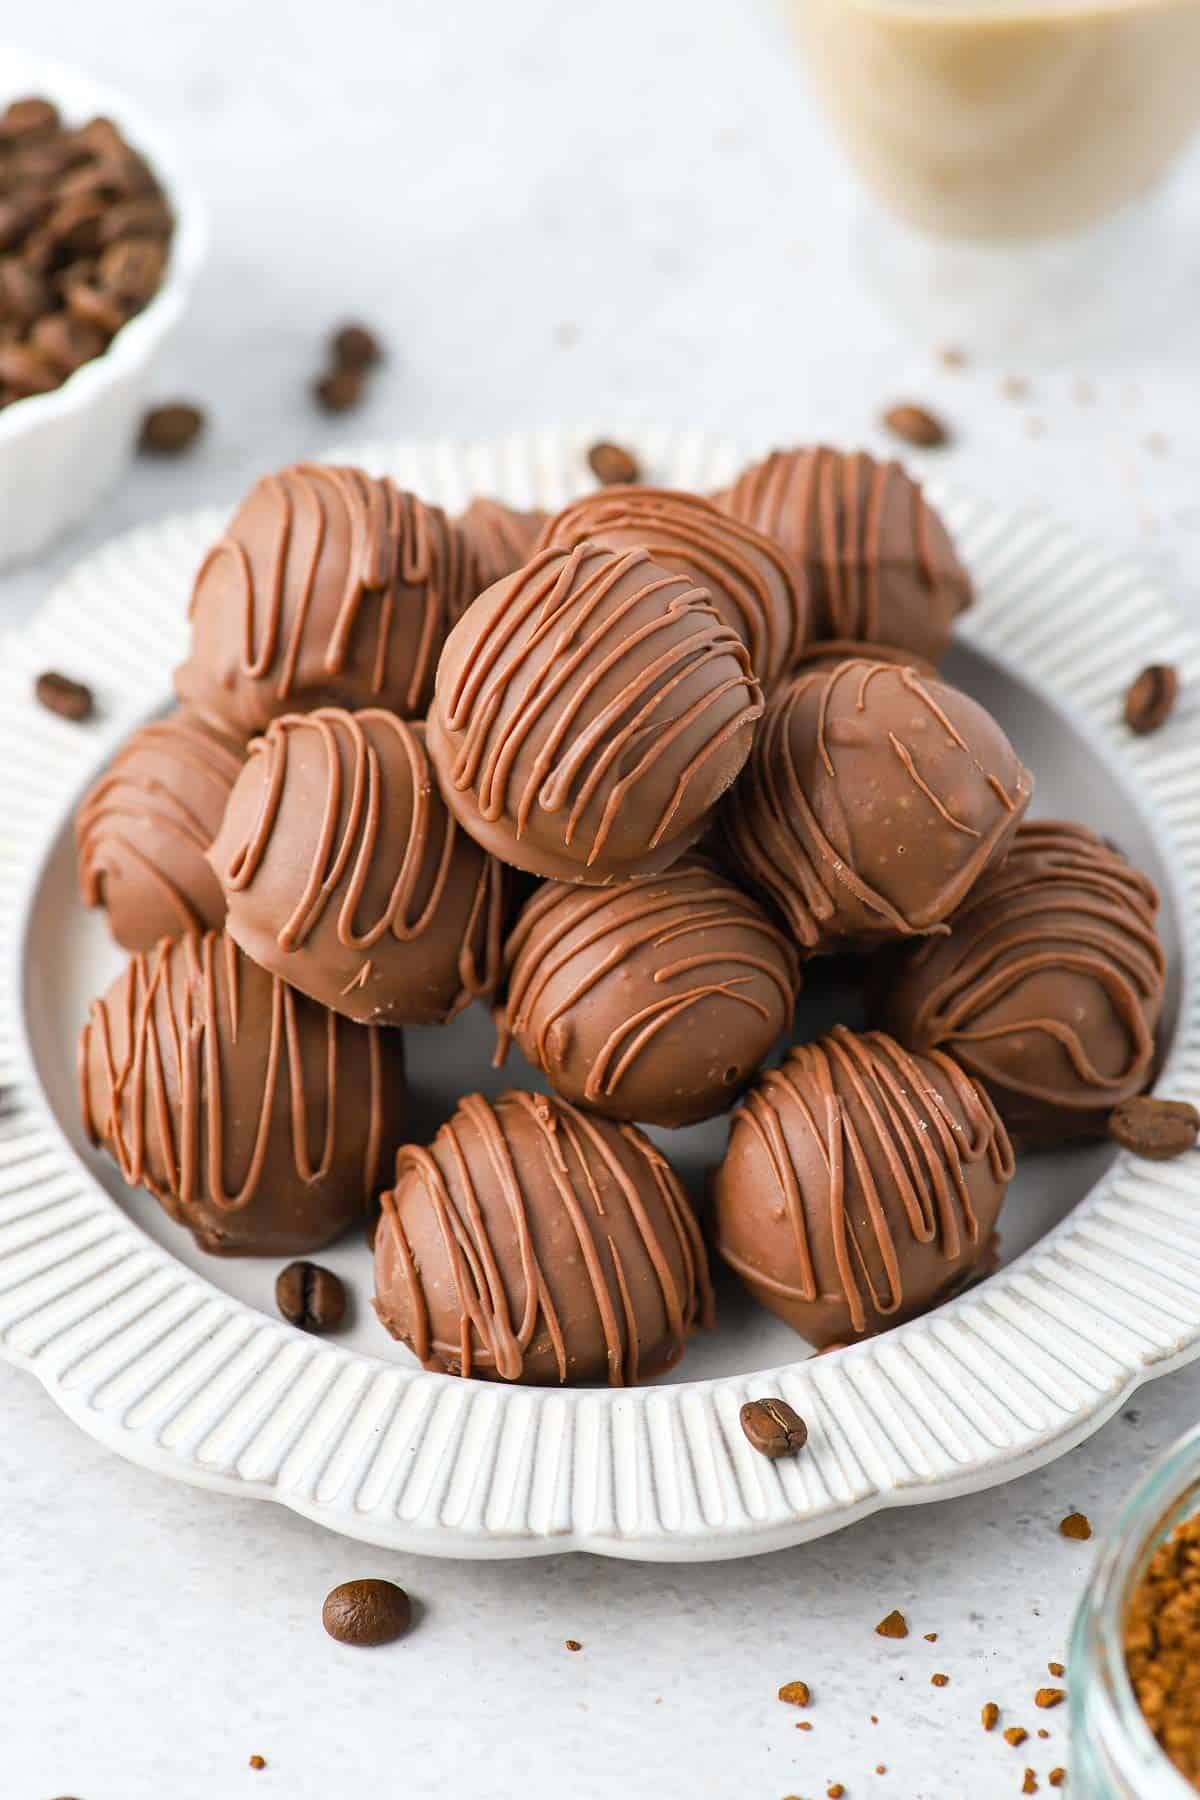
(558, 213)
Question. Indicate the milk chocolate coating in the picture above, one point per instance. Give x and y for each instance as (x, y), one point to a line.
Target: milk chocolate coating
(258, 1119)
(879, 562)
(1048, 988)
(142, 830)
(874, 800)
(500, 539)
(532, 1243)
(750, 579)
(860, 1186)
(827, 653)
(330, 588)
(654, 1000)
(590, 710)
(345, 873)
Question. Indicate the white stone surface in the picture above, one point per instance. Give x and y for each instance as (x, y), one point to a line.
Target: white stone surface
(558, 213)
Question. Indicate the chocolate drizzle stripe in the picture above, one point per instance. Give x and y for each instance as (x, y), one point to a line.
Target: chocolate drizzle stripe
(175, 1022)
(543, 661)
(865, 1104)
(571, 1151)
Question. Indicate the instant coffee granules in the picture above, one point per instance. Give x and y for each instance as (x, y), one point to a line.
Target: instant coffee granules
(1162, 1647)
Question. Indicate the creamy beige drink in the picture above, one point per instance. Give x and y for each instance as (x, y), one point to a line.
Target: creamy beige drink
(1007, 118)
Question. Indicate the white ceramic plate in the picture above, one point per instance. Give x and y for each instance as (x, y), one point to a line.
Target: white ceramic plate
(180, 1362)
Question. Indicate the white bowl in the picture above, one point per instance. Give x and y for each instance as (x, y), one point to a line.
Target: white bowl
(60, 452)
(180, 1360)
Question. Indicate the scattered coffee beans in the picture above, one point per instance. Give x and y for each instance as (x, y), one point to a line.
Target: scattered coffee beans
(773, 1427)
(339, 391)
(612, 465)
(1151, 697)
(367, 1612)
(1155, 1129)
(59, 694)
(169, 430)
(311, 1297)
(916, 425)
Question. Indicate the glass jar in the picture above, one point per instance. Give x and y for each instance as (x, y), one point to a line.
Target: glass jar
(1114, 1755)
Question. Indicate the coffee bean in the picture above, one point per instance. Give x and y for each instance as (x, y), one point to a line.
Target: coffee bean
(612, 465)
(75, 223)
(169, 430)
(1155, 1129)
(916, 425)
(132, 268)
(19, 213)
(95, 305)
(773, 1427)
(28, 117)
(355, 346)
(339, 391)
(367, 1612)
(24, 294)
(66, 343)
(311, 1297)
(23, 372)
(1150, 698)
(147, 216)
(59, 694)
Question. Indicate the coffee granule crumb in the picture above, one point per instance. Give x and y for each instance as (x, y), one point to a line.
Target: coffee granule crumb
(874, 1718)
(573, 1643)
(804, 1725)
(1056, 1777)
(1047, 1697)
(1056, 1668)
(931, 1637)
(939, 1680)
(881, 1768)
(951, 357)
(894, 1626)
(990, 1715)
(1076, 1525)
(835, 1790)
(1029, 1785)
(1014, 387)
(1016, 1734)
(1042, 1732)
(796, 1693)
(258, 1762)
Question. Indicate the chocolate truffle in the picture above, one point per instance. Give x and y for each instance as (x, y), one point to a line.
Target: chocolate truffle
(874, 800)
(860, 1186)
(532, 1243)
(143, 828)
(653, 1000)
(1047, 989)
(500, 539)
(330, 588)
(345, 873)
(258, 1119)
(590, 711)
(750, 579)
(827, 653)
(879, 563)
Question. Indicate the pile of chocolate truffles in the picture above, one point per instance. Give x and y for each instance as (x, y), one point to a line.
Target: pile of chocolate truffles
(619, 774)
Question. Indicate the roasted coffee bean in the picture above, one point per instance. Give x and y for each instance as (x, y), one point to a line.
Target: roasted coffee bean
(19, 213)
(75, 223)
(59, 694)
(100, 137)
(1151, 697)
(339, 391)
(612, 465)
(24, 295)
(367, 1612)
(311, 1297)
(774, 1427)
(916, 425)
(95, 305)
(355, 347)
(24, 372)
(132, 269)
(28, 117)
(147, 216)
(169, 430)
(66, 343)
(1155, 1129)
